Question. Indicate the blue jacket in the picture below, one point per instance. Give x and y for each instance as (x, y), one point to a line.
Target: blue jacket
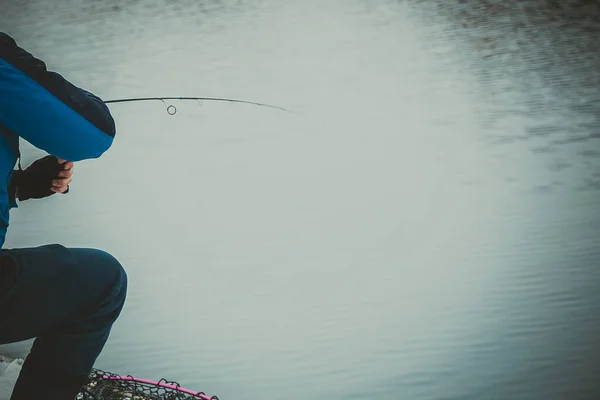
(49, 112)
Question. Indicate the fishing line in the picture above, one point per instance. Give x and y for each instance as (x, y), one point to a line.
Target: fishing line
(171, 109)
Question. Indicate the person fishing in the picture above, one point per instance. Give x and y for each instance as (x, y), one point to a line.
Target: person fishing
(66, 298)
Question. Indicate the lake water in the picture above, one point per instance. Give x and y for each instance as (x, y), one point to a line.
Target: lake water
(426, 229)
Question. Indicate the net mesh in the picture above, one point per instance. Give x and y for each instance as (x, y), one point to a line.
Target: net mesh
(107, 386)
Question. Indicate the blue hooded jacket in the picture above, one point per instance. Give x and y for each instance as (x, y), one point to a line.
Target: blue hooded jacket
(49, 112)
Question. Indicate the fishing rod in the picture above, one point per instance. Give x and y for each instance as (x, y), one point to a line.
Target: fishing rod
(171, 109)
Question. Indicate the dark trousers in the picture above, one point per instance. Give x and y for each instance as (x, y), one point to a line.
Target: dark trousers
(68, 299)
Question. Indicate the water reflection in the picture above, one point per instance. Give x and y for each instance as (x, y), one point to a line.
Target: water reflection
(543, 56)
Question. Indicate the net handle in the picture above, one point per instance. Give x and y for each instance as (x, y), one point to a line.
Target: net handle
(160, 384)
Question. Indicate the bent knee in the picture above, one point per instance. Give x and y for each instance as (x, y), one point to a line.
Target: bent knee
(114, 269)
(105, 270)
(111, 265)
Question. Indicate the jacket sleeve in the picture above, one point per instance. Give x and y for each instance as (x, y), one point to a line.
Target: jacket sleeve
(48, 111)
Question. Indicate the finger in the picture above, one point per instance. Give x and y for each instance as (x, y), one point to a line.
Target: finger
(61, 161)
(65, 174)
(60, 190)
(68, 166)
(61, 182)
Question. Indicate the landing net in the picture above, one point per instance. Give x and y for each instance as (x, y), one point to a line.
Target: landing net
(107, 386)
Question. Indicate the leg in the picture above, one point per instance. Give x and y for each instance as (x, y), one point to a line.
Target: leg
(68, 299)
